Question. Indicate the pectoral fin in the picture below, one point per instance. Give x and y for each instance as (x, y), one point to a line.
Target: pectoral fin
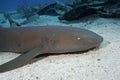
(21, 60)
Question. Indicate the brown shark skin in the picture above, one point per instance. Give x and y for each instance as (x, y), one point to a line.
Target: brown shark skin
(36, 40)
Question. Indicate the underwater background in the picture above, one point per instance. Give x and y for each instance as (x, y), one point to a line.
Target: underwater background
(11, 5)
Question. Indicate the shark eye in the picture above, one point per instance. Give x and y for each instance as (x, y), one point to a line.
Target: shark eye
(78, 38)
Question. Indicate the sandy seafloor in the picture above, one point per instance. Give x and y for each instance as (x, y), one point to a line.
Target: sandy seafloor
(99, 64)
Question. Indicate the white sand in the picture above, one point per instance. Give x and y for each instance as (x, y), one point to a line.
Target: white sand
(97, 64)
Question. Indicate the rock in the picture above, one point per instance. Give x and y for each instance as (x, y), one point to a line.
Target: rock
(56, 8)
(27, 11)
(105, 8)
(77, 13)
(12, 23)
(3, 21)
(111, 10)
(31, 19)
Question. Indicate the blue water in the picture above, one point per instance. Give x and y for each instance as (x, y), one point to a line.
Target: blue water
(11, 5)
